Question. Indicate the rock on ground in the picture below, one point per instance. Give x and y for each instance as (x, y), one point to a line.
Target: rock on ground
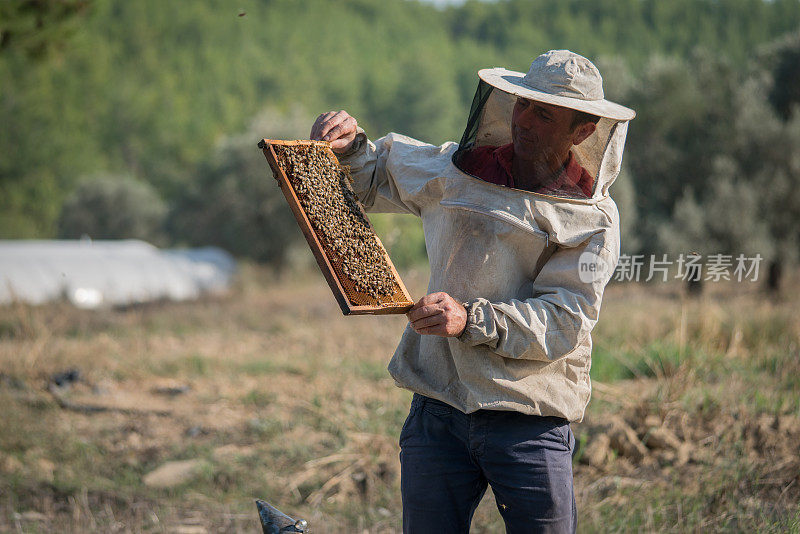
(172, 474)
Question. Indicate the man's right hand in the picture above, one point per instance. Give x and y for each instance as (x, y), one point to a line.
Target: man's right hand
(337, 127)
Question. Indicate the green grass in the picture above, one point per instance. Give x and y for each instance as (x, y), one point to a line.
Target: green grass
(264, 366)
(718, 502)
(258, 398)
(657, 359)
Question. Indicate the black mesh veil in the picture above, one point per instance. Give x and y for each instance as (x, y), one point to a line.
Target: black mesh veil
(473, 121)
(489, 125)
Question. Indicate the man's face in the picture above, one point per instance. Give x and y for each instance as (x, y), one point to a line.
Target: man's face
(543, 133)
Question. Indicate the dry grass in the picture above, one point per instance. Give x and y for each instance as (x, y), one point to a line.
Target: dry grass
(280, 397)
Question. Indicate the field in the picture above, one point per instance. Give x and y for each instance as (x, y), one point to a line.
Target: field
(174, 417)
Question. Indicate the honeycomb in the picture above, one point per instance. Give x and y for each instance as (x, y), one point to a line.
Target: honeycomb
(356, 255)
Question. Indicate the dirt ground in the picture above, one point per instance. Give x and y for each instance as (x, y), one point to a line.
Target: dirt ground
(174, 417)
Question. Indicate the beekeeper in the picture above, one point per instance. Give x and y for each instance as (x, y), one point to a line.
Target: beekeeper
(522, 237)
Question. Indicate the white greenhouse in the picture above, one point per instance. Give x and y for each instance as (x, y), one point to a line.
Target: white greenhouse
(94, 274)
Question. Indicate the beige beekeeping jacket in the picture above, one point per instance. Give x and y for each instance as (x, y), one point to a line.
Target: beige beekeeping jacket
(515, 258)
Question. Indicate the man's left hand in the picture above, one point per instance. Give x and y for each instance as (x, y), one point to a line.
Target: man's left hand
(438, 314)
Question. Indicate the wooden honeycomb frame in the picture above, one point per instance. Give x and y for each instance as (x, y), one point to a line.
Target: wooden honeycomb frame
(350, 300)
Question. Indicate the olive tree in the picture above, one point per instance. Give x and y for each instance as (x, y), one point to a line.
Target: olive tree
(113, 207)
(235, 203)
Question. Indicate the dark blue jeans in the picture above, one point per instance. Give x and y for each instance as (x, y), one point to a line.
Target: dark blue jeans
(447, 458)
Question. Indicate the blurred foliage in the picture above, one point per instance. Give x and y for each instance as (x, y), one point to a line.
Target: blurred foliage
(402, 236)
(113, 207)
(785, 91)
(714, 163)
(234, 202)
(625, 196)
(737, 186)
(162, 91)
(35, 27)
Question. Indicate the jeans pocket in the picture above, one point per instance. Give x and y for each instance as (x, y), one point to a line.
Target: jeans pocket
(435, 407)
(416, 404)
(565, 432)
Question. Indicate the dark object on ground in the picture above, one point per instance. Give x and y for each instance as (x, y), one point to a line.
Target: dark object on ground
(774, 276)
(12, 382)
(194, 431)
(273, 521)
(694, 287)
(171, 391)
(65, 378)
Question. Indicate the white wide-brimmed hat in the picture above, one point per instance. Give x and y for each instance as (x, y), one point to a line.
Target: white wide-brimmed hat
(561, 78)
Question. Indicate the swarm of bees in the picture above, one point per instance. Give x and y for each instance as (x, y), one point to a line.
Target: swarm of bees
(322, 187)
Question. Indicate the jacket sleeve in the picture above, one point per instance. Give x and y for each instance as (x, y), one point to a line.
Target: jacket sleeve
(395, 174)
(561, 313)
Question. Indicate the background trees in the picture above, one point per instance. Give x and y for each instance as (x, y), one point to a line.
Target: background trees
(233, 203)
(113, 207)
(168, 92)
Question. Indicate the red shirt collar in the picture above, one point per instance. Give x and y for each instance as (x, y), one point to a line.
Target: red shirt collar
(573, 180)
